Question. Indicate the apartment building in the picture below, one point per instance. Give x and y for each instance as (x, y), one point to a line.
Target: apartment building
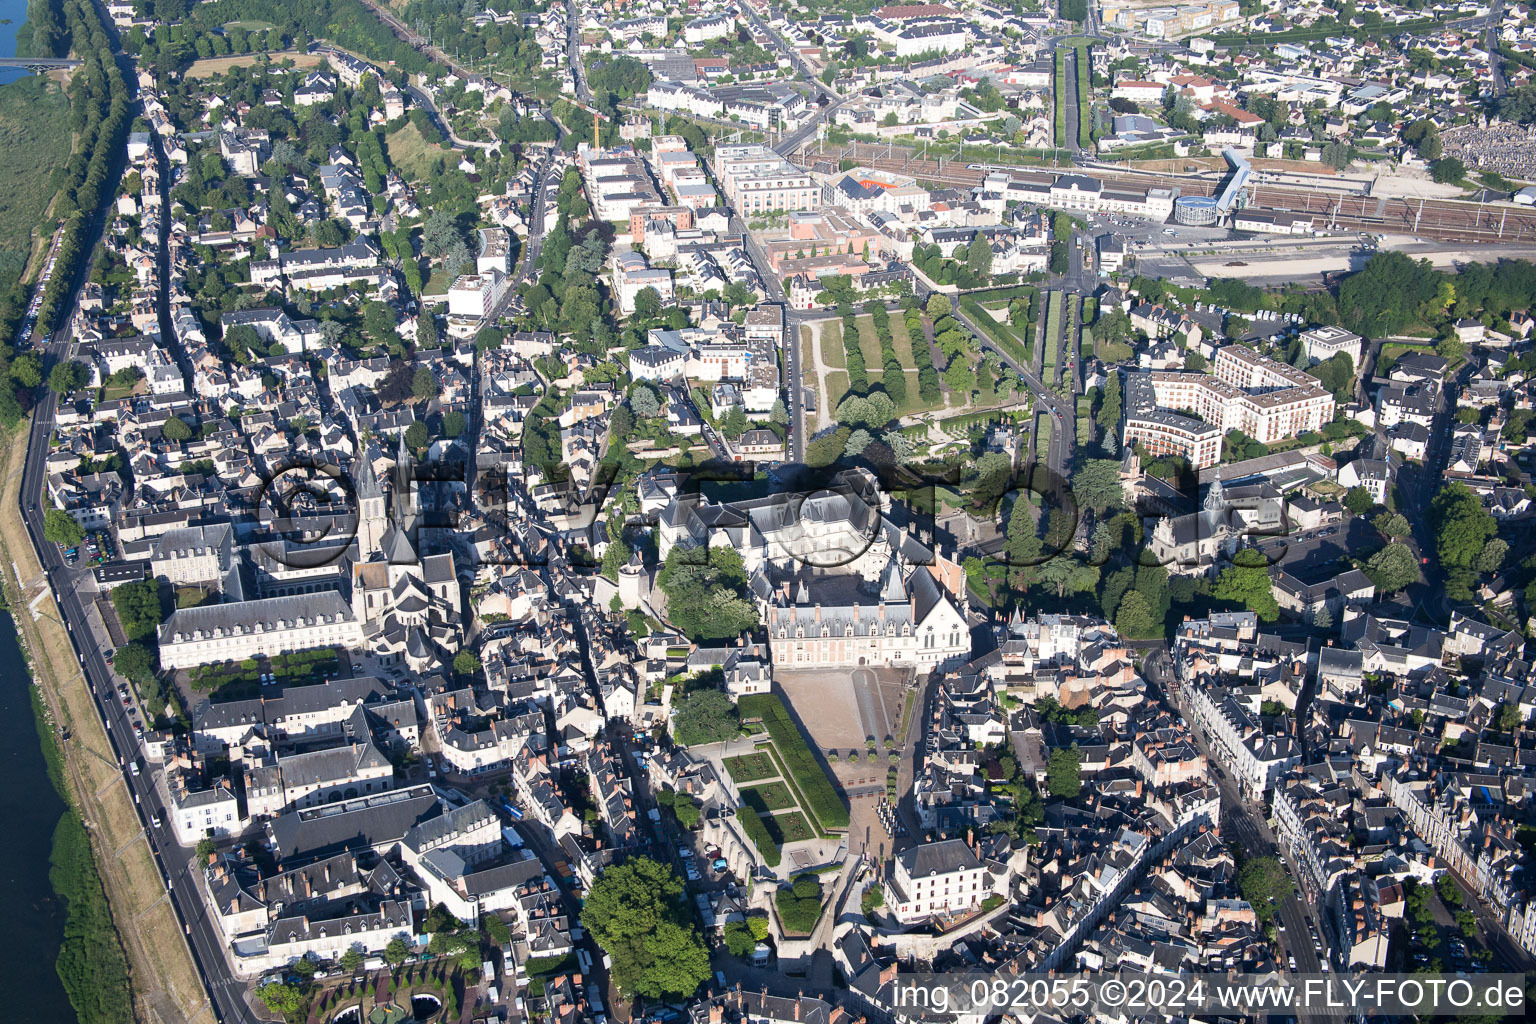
(1265, 399)
(935, 879)
(473, 296)
(756, 179)
(1323, 343)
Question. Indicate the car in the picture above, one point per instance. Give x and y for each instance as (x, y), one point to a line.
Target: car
(154, 819)
(133, 768)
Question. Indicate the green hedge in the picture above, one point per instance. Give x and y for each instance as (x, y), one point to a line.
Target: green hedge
(1059, 135)
(752, 824)
(806, 772)
(1000, 335)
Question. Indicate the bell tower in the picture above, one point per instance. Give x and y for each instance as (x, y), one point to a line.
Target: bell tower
(372, 517)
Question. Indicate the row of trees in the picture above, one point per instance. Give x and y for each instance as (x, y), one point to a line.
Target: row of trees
(100, 116)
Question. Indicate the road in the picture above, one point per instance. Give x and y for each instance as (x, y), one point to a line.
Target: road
(1243, 827)
(1063, 412)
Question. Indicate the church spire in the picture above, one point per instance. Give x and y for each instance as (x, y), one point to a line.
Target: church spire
(368, 485)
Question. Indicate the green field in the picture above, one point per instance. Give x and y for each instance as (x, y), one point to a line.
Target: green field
(1084, 419)
(34, 145)
(833, 356)
(1055, 323)
(770, 796)
(821, 797)
(749, 767)
(1084, 96)
(792, 827)
(411, 153)
(1059, 91)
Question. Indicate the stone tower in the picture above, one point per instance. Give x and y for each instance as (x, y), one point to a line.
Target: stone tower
(633, 582)
(372, 516)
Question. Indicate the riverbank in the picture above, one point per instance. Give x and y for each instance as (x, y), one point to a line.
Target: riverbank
(106, 852)
(35, 142)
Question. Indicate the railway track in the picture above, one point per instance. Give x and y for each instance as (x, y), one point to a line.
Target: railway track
(1438, 219)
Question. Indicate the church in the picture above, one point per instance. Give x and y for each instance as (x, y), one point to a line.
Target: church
(411, 607)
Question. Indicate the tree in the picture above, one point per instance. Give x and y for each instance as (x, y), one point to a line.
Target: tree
(635, 913)
(175, 429)
(1265, 885)
(1448, 170)
(959, 375)
(644, 402)
(1134, 618)
(61, 528)
(66, 378)
(1461, 525)
(1391, 569)
(939, 305)
(647, 302)
(706, 591)
(396, 952)
(799, 905)
(1247, 582)
(738, 939)
(705, 716)
(979, 259)
(1064, 772)
(135, 663)
(205, 848)
(1491, 558)
(351, 960)
(1359, 500)
(287, 1001)
(27, 369)
(466, 663)
(138, 608)
(454, 423)
(1393, 524)
(423, 384)
(416, 435)
(1096, 484)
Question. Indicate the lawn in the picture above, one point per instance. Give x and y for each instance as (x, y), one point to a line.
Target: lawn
(837, 387)
(792, 826)
(749, 767)
(808, 375)
(832, 345)
(832, 355)
(805, 771)
(34, 144)
(411, 152)
(770, 796)
(1055, 324)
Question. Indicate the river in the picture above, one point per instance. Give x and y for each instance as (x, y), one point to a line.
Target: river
(14, 12)
(29, 805)
(30, 808)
